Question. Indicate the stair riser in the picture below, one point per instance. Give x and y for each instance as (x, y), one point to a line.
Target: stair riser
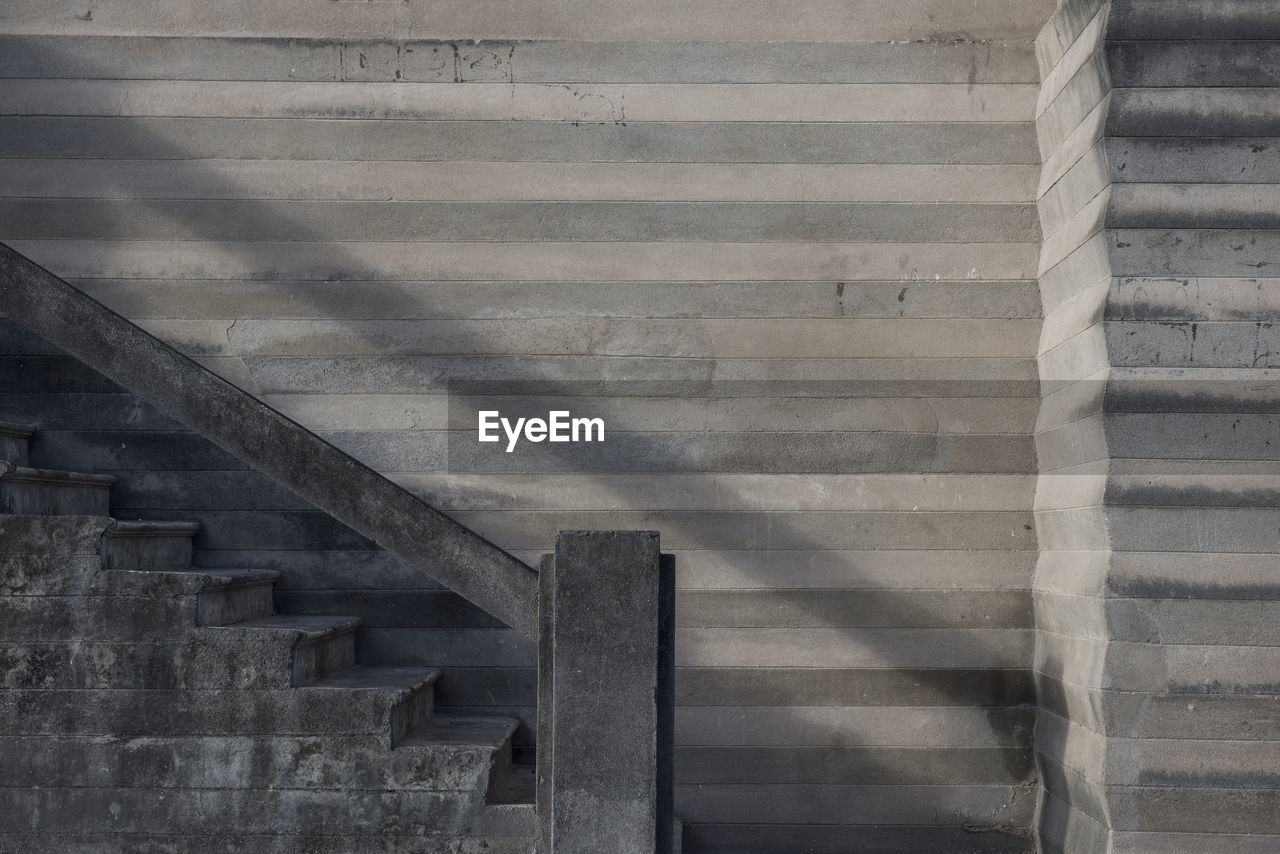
(316, 659)
(147, 552)
(222, 596)
(238, 762)
(242, 602)
(125, 712)
(50, 498)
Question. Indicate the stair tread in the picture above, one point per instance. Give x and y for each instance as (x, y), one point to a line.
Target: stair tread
(460, 731)
(377, 678)
(26, 473)
(313, 627)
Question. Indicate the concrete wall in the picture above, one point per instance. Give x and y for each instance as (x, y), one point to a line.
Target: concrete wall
(1156, 503)
(816, 226)
(1075, 279)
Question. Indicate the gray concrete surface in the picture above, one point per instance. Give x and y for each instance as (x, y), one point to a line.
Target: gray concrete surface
(140, 693)
(833, 210)
(1153, 641)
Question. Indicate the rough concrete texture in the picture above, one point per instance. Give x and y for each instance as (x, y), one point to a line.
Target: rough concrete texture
(147, 704)
(814, 226)
(269, 442)
(1154, 648)
(605, 673)
(814, 230)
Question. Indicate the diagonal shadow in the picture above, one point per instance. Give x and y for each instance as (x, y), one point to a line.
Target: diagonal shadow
(1003, 693)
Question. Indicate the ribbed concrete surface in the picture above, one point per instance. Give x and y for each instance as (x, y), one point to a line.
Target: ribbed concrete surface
(815, 226)
(1155, 654)
(1075, 279)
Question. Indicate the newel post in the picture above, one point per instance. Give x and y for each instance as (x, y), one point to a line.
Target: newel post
(606, 695)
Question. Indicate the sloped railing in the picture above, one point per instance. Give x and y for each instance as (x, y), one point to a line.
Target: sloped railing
(244, 426)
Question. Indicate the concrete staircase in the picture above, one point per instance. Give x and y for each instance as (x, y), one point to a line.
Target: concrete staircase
(144, 693)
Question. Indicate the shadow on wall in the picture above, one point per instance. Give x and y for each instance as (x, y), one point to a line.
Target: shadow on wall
(259, 238)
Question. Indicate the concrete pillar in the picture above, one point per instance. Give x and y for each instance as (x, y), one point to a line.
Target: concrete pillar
(605, 685)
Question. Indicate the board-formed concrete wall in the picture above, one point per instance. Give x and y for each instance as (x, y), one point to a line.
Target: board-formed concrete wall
(1155, 589)
(816, 223)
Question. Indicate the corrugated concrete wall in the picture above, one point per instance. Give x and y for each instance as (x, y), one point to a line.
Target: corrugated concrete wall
(1075, 279)
(816, 225)
(1155, 590)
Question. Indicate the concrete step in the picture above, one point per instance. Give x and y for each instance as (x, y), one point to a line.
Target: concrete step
(411, 691)
(480, 743)
(14, 436)
(148, 545)
(44, 492)
(235, 595)
(321, 645)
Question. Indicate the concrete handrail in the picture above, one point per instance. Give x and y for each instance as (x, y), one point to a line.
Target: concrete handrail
(333, 481)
